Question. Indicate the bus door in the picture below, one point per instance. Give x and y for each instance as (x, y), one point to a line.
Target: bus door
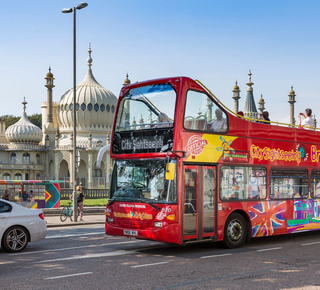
(199, 214)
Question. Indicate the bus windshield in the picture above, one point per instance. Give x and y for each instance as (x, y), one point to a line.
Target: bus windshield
(142, 180)
(147, 107)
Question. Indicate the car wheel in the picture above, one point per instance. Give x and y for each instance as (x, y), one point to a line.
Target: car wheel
(235, 231)
(15, 239)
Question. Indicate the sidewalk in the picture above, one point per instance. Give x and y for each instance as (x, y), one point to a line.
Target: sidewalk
(54, 220)
(91, 215)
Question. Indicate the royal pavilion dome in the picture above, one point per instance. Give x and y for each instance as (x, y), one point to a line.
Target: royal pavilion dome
(24, 131)
(95, 107)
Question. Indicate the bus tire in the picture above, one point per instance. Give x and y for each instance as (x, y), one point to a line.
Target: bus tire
(235, 231)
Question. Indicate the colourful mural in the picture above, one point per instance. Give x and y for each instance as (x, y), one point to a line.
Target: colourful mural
(52, 195)
(306, 216)
(51, 188)
(276, 217)
(267, 217)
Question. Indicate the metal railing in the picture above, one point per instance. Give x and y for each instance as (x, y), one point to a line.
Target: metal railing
(88, 193)
(253, 119)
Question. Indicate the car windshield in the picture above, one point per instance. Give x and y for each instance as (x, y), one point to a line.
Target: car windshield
(147, 107)
(143, 180)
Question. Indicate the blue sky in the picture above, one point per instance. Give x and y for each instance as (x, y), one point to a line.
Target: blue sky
(216, 42)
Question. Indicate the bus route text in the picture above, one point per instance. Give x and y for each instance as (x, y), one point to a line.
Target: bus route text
(271, 154)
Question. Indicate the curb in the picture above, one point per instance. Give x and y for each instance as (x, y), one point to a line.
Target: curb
(86, 210)
(76, 224)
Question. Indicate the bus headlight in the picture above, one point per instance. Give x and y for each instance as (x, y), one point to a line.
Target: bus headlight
(110, 220)
(158, 224)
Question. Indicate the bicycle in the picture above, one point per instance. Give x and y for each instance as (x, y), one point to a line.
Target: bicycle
(67, 211)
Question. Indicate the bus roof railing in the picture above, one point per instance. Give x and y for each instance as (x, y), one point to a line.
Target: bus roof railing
(252, 119)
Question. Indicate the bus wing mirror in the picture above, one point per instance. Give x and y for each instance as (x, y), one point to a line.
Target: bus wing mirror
(170, 171)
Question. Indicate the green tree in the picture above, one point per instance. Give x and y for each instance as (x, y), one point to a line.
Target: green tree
(36, 119)
(10, 120)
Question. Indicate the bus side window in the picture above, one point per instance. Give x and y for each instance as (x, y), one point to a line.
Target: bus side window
(241, 182)
(315, 183)
(288, 184)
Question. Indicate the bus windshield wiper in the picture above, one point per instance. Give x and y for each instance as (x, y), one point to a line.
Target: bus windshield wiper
(143, 201)
(112, 201)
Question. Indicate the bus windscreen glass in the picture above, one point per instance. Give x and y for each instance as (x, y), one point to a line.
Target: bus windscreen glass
(144, 122)
(146, 108)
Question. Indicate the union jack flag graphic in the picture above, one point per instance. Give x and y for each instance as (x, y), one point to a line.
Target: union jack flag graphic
(267, 217)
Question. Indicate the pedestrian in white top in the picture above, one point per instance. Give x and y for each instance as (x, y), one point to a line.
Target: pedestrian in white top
(308, 121)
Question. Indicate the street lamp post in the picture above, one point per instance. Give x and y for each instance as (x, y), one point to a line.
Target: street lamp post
(69, 10)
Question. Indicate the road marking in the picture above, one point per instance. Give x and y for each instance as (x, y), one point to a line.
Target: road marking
(99, 255)
(147, 265)
(215, 256)
(74, 235)
(270, 249)
(71, 275)
(71, 248)
(309, 244)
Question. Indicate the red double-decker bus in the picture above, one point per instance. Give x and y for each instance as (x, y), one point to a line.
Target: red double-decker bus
(187, 169)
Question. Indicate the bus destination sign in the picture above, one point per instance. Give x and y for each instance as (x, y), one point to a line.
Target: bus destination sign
(142, 142)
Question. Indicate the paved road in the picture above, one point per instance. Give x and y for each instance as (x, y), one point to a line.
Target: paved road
(84, 258)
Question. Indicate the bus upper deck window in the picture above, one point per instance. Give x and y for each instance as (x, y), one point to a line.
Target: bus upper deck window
(203, 114)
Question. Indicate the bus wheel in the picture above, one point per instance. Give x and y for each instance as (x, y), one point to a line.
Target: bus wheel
(235, 231)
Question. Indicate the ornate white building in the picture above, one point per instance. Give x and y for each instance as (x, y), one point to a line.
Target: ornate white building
(27, 152)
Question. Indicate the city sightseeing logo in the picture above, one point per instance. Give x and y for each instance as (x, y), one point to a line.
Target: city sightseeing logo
(195, 145)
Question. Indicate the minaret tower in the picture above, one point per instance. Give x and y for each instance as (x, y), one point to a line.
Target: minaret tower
(250, 109)
(48, 129)
(49, 85)
(127, 104)
(236, 96)
(292, 100)
(261, 106)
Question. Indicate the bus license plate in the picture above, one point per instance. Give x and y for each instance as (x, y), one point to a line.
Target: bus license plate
(130, 233)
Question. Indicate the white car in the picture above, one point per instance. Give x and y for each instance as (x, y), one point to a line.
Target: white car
(20, 225)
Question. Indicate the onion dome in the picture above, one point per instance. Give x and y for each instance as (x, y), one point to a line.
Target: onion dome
(236, 87)
(261, 100)
(83, 141)
(292, 95)
(127, 81)
(24, 131)
(292, 92)
(49, 74)
(95, 106)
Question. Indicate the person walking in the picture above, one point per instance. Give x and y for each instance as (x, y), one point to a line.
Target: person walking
(80, 200)
(31, 199)
(6, 195)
